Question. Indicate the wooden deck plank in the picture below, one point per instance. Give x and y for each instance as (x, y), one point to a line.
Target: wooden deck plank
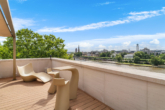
(87, 105)
(93, 106)
(19, 95)
(100, 107)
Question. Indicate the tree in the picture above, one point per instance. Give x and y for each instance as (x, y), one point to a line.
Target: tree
(123, 53)
(33, 45)
(156, 61)
(108, 54)
(6, 52)
(119, 58)
(103, 55)
(78, 54)
(147, 56)
(1, 49)
(140, 54)
(112, 51)
(162, 56)
(136, 59)
(130, 60)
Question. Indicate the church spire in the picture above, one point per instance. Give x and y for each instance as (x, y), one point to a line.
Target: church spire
(78, 48)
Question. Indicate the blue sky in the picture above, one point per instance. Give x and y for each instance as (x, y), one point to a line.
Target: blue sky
(95, 24)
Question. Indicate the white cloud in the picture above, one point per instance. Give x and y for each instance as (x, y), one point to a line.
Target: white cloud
(81, 44)
(85, 44)
(121, 39)
(154, 41)
(110, 47)
(85, 27)
(102, 46)
(22, 23)
(105, 3)
(133, 16)
(127, 43)
(116, 40)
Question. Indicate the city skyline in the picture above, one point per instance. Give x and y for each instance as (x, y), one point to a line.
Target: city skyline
(95, 24)
(128, 50)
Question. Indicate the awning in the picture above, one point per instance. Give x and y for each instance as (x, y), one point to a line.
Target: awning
(4, 29)
(7, 29)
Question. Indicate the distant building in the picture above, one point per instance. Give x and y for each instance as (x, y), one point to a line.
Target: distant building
(95, 53)
(131, 52)
(84, 53)
(104, 50)
(124, 51)
(156, 52)
(163, 52)
(78, 48)
(137, 47)
(128, 56)
(89, 54)
(118, 51)
(75, 50)
(146, 50)
(114, 54)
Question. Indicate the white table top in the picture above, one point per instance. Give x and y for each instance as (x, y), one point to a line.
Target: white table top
(63, 68)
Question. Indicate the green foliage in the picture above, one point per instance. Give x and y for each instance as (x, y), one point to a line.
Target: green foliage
(97, 58)
(70, 56)
(142, 55)
(130, 61)
(156, 61)
(123, 53)
(106, 54)
(119, 58)
(78, 54)
(136, 59)
(33, 45)
(112, 51)
(162, 56)
(6, 52)
(145, 61)
(139, 54)
(103, 55)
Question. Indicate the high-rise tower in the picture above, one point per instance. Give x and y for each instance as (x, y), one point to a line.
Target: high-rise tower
(75, 50)
(137, 47)
(78, 48)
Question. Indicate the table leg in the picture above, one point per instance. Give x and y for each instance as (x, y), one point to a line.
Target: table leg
(74, 84)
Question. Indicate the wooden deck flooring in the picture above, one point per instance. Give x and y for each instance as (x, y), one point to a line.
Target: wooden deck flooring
(19, 95)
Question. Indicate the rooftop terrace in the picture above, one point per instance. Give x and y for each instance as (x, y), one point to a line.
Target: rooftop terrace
(19, 95)
(99, 85)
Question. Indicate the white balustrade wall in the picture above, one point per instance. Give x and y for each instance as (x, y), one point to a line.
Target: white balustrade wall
(39, 65)
(119, 88)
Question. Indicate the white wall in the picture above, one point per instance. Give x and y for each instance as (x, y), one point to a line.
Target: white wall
(39, 65)
(119, 88)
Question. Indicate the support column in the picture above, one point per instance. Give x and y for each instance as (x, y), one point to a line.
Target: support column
(14, 58)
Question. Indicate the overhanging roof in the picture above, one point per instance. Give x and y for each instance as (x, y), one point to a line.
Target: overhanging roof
(4, 30)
